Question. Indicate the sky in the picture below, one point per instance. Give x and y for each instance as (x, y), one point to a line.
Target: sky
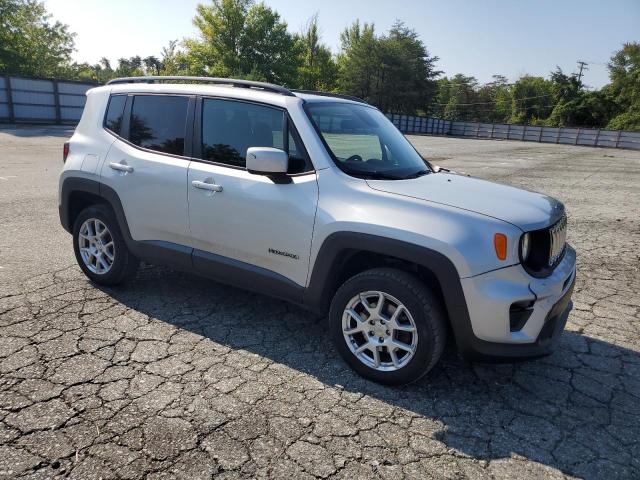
(480, 38)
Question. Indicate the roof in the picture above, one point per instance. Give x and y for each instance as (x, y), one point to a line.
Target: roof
(242, 89)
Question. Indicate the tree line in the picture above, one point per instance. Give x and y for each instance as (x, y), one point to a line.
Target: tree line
(393, 70)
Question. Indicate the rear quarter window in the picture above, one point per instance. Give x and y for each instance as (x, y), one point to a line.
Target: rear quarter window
(115, 112)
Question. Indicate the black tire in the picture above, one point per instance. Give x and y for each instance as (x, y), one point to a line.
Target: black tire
(425, 309)
(125, 264)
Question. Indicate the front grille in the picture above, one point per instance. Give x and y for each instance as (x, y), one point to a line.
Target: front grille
(557, 240)
(547, 249)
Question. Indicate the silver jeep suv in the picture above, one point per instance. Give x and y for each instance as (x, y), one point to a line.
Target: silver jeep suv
(317, 199)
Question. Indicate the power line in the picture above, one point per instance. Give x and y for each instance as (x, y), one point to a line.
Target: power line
(519, 108)
(491, 103)
(604, 64)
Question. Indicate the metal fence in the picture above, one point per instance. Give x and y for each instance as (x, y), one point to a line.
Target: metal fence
(41, 101)
(61, 101)
(592, 137)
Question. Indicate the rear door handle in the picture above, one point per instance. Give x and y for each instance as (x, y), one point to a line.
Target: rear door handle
(212, 187)
(121, 167)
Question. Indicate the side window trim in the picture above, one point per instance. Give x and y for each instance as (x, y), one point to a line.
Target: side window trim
(126, 120)
(188, 128)
(196, 138)
(293, 131)
(196, 148)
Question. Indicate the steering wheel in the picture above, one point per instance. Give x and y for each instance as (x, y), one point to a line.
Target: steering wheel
(354, 158)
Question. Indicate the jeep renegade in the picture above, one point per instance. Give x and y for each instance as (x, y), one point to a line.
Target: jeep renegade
(317, 199)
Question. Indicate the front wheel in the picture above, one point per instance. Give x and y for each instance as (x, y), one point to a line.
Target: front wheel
(100, 248)
(388, 326)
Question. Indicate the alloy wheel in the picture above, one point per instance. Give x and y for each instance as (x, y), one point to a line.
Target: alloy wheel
(96, 246)
(379, 330)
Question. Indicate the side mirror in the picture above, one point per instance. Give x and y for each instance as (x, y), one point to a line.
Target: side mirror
(267, 161)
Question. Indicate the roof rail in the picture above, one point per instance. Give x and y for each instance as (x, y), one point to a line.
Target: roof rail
(327, 94)
(268, 87)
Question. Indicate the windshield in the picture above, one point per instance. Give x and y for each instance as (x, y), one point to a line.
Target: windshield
(364, 143)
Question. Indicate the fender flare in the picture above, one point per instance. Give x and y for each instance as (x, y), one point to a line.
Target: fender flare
(72, 185)
(328, 262)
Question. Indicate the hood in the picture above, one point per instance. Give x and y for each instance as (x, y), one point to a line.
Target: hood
(524, 209)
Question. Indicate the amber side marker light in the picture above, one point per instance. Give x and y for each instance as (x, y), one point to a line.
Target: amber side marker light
(500, 244)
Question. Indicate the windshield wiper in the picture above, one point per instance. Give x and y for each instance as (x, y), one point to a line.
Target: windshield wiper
(417, 174)
(375, 175)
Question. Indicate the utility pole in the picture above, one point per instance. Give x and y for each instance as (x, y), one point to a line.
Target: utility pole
(582, 66)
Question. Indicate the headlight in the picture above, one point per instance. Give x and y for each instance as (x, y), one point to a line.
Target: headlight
(525, 246)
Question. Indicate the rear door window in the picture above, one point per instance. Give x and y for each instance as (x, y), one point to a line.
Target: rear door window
(158, 122)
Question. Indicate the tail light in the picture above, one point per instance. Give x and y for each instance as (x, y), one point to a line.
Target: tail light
(65, 152)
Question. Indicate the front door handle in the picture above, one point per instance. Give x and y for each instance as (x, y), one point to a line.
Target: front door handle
(212, 187)
(121, 167)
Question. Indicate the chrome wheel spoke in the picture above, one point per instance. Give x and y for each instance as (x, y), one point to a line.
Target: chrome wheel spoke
(351, 331)
(360, 322)
(394, 357)
(376, 356)
(403, 328)
(367, 305)
(394, 324)
(401, 346)
(103, 262)
(373, 309)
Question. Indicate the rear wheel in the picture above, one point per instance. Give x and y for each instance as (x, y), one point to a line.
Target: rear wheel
(100, 248)
(388, 326)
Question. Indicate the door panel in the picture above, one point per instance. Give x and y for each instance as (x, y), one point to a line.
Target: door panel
(153, 193)
(149, 169)
(252, 219)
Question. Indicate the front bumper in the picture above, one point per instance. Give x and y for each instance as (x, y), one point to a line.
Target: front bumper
(489, 297)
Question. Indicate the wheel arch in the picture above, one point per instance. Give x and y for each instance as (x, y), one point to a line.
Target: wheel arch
(345, 254)
(80, 193)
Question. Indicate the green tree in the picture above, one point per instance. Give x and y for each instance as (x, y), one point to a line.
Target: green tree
(239, 38)
(30, 44)
(358, 61)
(317, 69)
(174, 61)
(574, 106)
(405, 76)
(152, 65)
(441, 98)
(567, 98)
(532, 100)
(499, 94)
(129, 67)
(394, 72)
(624, 88)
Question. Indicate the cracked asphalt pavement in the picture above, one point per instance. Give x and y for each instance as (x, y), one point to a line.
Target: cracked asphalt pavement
(176, 376)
